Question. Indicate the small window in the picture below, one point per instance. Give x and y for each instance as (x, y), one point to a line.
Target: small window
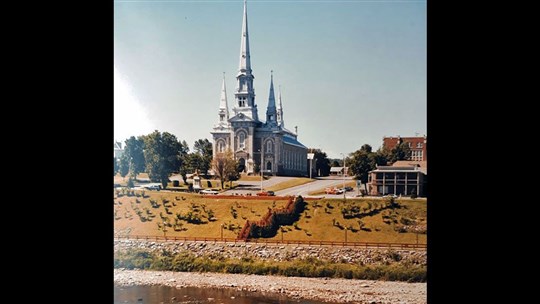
(242, 140)
(419, 145)
(269, 147)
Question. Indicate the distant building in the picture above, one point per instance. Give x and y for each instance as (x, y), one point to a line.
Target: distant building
(338, 171)
(268, 145)
(403, 178)
(118, 150)
(418, 145)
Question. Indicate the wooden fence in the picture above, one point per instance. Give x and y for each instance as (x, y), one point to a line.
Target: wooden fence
(367, 245)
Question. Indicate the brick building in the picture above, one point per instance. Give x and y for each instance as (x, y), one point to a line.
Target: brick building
(418, 146)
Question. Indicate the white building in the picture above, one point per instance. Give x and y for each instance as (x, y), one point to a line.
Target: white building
(118, 150)
(250, 139)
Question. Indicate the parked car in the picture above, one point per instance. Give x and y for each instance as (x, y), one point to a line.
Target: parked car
(348, 188)
(153, 187)
(209, 191)
(266, 193)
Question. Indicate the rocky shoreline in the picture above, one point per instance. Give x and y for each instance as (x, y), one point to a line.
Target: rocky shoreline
(320, 289)
(282, 253)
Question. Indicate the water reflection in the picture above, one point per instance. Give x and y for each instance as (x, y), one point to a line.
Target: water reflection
(159, 294)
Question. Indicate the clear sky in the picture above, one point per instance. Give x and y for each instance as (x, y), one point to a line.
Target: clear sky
(350, 72)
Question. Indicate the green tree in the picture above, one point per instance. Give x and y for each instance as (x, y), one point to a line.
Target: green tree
(203, 148)
(191, 163)
(321, 163)
(124, 165)
(360, 164)
(116, 166)
(225, 166)
(364, 160)
(184, 152)
(401, 151)
(134, 152)
(163, 156)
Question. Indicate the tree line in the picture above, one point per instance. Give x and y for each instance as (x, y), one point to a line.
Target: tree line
(162, 154)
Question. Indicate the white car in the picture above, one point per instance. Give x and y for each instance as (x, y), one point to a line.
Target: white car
(209, 191)
(153, 187)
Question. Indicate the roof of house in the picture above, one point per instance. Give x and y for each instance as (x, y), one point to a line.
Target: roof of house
(400, 169)
(401, 163)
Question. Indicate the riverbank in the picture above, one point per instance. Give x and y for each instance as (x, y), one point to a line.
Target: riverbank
(321, 289)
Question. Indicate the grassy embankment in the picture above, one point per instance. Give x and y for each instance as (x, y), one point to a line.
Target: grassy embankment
(322, 219)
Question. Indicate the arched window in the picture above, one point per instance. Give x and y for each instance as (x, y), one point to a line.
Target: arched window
(242, 140)
(269, 166)
(221, 147)
(268, 147)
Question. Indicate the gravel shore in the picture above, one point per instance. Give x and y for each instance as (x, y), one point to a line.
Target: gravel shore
(321, 289)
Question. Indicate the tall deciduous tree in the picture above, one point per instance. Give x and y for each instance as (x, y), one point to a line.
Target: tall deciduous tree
(402, 151)
(163, 156)
(203, 148)
(134, 152)
(321, 163)
(225, 166)
(364, 160)
(124, 165)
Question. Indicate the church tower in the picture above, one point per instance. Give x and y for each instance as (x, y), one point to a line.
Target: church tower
(223, 120)
(245, 94)
(279, 113)
(271, 118)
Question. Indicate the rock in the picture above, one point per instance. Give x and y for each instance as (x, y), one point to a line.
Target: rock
(364, 285)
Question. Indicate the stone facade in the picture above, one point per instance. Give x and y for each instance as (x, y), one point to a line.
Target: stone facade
(253, 142)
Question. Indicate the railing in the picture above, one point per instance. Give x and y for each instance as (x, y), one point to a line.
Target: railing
(367, 245)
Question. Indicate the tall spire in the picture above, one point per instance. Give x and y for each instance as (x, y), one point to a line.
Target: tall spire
(223, 106)
(271, 109)
(245, 94)
(245, 61)
(280, 110)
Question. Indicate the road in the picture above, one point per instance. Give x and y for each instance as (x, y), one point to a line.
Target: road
(318, 184)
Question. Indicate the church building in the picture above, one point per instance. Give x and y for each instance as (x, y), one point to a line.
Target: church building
(251, 140)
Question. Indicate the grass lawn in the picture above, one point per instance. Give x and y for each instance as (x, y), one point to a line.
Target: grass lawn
(251, 178)
(316, 223)
(288, 184)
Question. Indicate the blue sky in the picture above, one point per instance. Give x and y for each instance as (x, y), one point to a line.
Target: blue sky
(350, 72)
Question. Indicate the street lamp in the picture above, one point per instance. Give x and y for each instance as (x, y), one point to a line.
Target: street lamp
(310, 157)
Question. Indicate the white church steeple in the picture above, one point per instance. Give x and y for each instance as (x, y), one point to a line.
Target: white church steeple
(223, 120)
(245, 94)
(271, 109)
(279, 113)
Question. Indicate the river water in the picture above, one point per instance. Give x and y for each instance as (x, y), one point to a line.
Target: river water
(159, 294)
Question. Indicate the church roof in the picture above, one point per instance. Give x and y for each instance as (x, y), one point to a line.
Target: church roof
(293, 142)
(241, 117)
